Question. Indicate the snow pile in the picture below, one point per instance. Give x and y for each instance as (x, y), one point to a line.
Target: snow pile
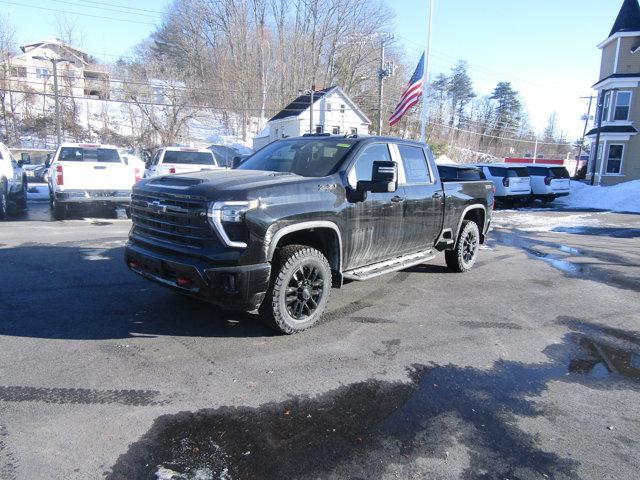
(624, 197)
(37, 191)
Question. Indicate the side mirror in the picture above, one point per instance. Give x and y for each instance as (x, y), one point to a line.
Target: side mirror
(20, 163)
(384, 178)
(47, 163)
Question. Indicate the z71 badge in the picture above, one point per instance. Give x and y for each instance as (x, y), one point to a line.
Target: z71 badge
(327, 188)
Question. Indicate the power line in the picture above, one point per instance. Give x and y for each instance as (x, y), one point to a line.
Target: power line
(126, 12)
(78, 13)
(122, 6)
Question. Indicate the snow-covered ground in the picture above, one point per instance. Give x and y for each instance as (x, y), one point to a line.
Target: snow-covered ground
(38, 191)
(624, 197)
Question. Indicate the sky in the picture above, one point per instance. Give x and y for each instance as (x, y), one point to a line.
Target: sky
(546, 49)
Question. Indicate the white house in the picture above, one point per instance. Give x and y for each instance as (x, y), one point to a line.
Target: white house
(333, 112)
(83, 76)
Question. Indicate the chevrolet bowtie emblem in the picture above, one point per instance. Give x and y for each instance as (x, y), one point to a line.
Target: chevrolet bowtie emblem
(156, 206)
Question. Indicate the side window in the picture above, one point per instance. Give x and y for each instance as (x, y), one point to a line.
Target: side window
(364, 163)
(415, 164)
(156, 158)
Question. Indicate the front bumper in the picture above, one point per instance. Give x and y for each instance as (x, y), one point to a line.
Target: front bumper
(122, 197)
(240, 287)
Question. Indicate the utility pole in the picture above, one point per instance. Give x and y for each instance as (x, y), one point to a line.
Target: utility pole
(584, 132)
(596, 145)
(383, 72)
(313, 89)
(54, 62)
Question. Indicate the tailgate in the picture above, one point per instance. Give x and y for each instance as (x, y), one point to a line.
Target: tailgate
(560, 184)
(520, 184)
(97, 176)
(166, 168)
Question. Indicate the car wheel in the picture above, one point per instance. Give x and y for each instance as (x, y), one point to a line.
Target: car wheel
(299, 290)
(4, 206)
(464, 255)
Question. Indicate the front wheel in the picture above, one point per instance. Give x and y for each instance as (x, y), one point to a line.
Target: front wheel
(464, 255)
(299, 290)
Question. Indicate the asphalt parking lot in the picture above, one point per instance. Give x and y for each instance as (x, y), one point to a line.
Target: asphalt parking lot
(528, 367)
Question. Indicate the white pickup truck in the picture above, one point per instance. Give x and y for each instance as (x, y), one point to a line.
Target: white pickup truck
(13, 182)
(83, 173)
(170, 160)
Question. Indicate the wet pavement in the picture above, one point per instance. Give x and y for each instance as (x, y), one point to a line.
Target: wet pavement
(528, 367)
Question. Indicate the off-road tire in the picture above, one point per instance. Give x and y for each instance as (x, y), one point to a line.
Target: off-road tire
(289, 262)
(4, 201)
(462, 258)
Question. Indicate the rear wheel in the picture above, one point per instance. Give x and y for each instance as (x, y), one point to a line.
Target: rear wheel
(299, 290)
(464, 255)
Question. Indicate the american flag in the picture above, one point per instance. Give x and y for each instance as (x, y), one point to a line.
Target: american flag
(411, 95)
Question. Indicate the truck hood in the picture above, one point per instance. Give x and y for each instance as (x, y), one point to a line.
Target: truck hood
(233, 184)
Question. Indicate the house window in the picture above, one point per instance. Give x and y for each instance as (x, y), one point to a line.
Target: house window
(19, 72)
(623, 103)
(606, 104)
(328, 106)
(335, 130)
(614, 159)
(342, 108)
(353, 130)
(319, 129)
(42, 72)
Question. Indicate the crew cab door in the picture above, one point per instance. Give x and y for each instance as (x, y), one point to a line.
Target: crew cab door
(423, 207)
(374, 226)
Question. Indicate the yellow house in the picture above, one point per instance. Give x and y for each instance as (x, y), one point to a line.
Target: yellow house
(615, 136)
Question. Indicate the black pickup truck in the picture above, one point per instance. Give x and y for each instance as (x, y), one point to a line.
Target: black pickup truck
(300, 216)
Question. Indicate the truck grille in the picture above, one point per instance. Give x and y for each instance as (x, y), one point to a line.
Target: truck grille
(172, 219)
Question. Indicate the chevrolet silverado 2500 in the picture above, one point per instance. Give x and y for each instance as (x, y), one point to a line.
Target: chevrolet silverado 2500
(300, 216)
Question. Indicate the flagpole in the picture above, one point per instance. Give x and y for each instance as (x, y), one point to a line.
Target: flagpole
(425, 76)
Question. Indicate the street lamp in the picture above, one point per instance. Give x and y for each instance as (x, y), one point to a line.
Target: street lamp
(55, 62)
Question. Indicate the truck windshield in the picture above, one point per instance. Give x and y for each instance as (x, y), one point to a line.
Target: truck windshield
(84, 154)
(189, 158)
(305, 157)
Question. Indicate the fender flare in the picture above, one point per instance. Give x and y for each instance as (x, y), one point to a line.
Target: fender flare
(475, 206)
(297, 227)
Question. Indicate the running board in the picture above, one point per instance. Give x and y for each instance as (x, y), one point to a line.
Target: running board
(388, 266)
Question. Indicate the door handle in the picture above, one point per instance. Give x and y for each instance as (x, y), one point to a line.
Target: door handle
(436, 195)
(397, 199)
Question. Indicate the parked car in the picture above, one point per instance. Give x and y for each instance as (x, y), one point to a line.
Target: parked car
(460, 172)
(512, 181)
(549, 182)
(82, 173)
(302, 215)
(169, 160)
(229, 157)
(13, 182)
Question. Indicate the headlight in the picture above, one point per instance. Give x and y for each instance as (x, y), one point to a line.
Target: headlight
(229, 212)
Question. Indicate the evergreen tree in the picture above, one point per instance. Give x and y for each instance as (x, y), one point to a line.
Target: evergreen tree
(460, 91)
(508, 107)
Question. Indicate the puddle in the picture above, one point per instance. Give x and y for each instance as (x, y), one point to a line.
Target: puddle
(375, 429)
(615, 232)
